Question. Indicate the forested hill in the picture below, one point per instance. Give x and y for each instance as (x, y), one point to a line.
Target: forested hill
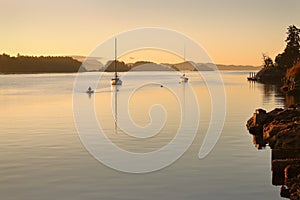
(33, 64)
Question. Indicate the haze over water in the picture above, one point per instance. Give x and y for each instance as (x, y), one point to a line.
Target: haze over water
(42, 156)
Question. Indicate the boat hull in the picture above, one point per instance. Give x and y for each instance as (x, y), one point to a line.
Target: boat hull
(90, 91)
(116, 81)
(252, 79)
(184, 79)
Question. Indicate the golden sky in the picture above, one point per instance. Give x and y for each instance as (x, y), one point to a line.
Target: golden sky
(153, 55)
(231, 31)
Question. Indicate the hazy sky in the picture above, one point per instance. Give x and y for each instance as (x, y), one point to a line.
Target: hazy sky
(232, 31)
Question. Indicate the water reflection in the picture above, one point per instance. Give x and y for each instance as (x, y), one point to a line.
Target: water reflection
(281, 159)
(273, 93)
(285, 171)
(285, 167)
(292, 99)
(252, 85)
(115, 90)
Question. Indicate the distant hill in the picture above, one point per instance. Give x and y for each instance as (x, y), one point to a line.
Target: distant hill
(238, 67)
(93, 63)
(149, 66)
(33, 64)
(137, 66)
(110, 66)
(189, 66)
(89, 63)
(181, 66)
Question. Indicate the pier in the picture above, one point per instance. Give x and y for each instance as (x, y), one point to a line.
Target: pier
(252, 76)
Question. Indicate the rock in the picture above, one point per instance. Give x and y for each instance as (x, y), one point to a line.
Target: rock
(285, 154)
(272, 75)
(285, 192)
(260, 116)
(290, 172)
(278, 170)
(280, 129)
(255, 124)
(293, 186)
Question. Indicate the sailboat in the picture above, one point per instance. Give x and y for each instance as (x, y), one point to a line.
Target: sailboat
(116, 80)
(183, 78)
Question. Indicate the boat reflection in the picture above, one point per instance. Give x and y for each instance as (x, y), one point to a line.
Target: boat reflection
(114, 93)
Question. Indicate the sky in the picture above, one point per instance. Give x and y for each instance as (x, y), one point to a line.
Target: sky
(231, 31)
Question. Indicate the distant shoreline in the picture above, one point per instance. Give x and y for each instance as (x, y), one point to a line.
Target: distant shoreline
(59, 64)
(41, 73)
(95, 65)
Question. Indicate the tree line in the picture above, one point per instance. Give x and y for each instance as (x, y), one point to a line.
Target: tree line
(291, 54)
(38, 64)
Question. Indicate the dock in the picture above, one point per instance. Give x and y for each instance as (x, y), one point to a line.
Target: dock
(252, 76)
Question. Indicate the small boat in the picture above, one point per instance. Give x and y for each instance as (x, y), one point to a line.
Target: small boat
(90, 91)
(184, 79)
(116, 80)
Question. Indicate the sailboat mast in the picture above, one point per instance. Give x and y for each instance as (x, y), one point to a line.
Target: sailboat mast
(115, 57)
(184, 52)
(183, 58)
(183, 78)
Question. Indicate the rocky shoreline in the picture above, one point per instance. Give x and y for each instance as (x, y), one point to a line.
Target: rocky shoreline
(280, 129)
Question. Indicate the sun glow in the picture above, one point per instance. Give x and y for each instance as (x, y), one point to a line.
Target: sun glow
(152, 55)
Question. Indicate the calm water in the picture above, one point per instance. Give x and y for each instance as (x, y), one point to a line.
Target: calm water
(42, 157)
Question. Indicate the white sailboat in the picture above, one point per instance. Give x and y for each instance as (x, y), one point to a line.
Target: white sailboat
(116, 80)
(183, 78)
